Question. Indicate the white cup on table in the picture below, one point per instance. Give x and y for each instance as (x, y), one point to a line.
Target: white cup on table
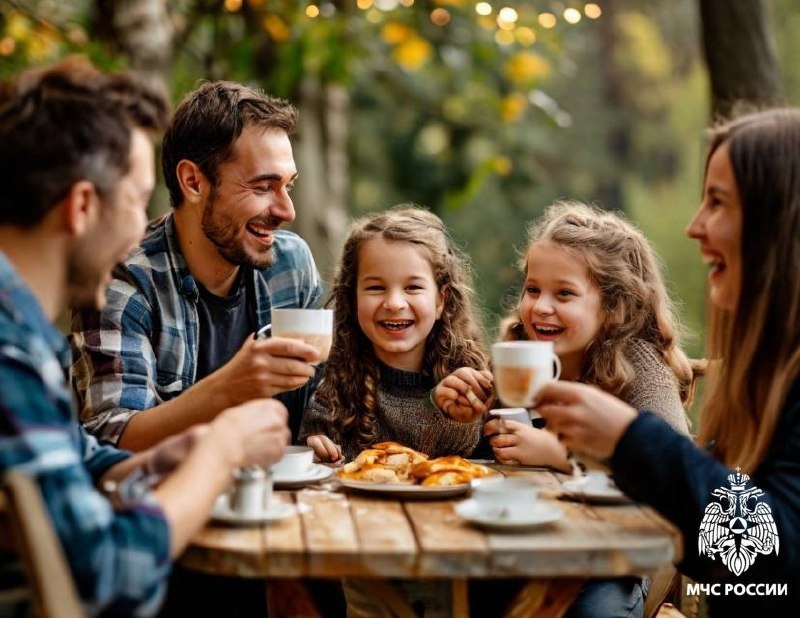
(506, 498)
(296, 460)
(313, 326)
(520, 368)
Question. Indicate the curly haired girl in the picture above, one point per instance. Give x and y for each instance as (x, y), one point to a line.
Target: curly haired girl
(594, 288)
(404, 321)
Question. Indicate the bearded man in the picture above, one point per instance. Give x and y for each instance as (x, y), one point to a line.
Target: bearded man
(174, 345)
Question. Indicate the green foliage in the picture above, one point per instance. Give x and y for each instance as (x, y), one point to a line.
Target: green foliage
(484, 130)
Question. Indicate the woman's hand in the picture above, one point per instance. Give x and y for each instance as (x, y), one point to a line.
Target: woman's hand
(464, 395)
(515, 442)
(585, 418)
(325, 448)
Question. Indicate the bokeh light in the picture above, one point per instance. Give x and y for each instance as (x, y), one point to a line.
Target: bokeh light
(572, 16)
(440, 16)
(483, 8)
(525, 36)
(504, 37)
(508, 14)
(547, 20)
(592, 10)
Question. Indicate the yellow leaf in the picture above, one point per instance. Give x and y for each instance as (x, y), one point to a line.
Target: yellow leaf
(395, 33)
(277, 28)
(413, 54)
(502, 165)
(513, 106)
(525, 68)
(18, 26)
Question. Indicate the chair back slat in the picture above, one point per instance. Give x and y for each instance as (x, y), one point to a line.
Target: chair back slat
(26, 529)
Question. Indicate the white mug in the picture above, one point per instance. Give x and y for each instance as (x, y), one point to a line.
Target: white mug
(520, 368)
(313, 326)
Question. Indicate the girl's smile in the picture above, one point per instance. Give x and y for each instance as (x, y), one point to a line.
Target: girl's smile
(398, 301)
(560, 304)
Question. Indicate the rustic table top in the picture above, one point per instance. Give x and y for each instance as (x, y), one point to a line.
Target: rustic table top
(340, 534)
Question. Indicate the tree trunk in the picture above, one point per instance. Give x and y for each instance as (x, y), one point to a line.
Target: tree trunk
(741, 55)
(609, 187)
(322, 186)
(142, 31)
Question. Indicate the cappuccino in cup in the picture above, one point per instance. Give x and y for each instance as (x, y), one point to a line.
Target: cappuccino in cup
(313, 326)
(521, 367)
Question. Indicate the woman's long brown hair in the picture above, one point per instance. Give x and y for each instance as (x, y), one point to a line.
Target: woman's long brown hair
(756, 347)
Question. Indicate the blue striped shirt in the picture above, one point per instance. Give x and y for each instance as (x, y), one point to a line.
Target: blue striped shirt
(120, 560)
(141, 350)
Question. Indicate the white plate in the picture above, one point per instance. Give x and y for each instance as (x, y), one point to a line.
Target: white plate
(541, 514)
(578, 490)
(399, 490)
(411, 491)
(315, 473)
(223, 513)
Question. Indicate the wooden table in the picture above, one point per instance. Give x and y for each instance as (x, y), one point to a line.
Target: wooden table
(339, 534)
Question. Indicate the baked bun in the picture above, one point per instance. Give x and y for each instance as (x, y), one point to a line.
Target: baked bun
(451, 462)
(375, 473)
(445, 478)
(394, 448)
(391, 462)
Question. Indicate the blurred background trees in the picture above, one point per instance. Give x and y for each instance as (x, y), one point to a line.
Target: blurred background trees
(484, 112)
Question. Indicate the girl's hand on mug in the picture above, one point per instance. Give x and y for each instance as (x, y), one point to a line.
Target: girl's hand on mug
(465, 395)
(515, 442)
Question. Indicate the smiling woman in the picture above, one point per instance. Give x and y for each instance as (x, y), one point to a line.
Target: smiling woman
(717, 226)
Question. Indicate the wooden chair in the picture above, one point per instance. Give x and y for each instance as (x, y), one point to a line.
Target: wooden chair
(26, 529)
(666, 596)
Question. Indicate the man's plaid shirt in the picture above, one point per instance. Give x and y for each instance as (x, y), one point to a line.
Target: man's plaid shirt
(141, 350)
(120, 561)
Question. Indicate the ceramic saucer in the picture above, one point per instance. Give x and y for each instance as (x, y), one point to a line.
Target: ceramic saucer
(316, 472)
(222, 513)
(542, 513)
(579, 490)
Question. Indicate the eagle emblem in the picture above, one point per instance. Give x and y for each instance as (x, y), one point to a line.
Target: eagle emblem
(738, 526)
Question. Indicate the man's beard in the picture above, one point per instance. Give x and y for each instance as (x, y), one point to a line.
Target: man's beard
(223, 234)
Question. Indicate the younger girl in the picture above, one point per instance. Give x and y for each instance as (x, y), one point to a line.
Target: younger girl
(593, 287)
(403, 322)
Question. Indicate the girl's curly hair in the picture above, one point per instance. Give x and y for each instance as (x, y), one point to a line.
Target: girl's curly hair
(350, 388)
(625, 269)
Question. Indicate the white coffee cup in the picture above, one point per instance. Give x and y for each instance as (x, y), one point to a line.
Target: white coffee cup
(520, 415)
(252, 492)
(314, 326)
(506, 497)
(295, 461)
(520, 368)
